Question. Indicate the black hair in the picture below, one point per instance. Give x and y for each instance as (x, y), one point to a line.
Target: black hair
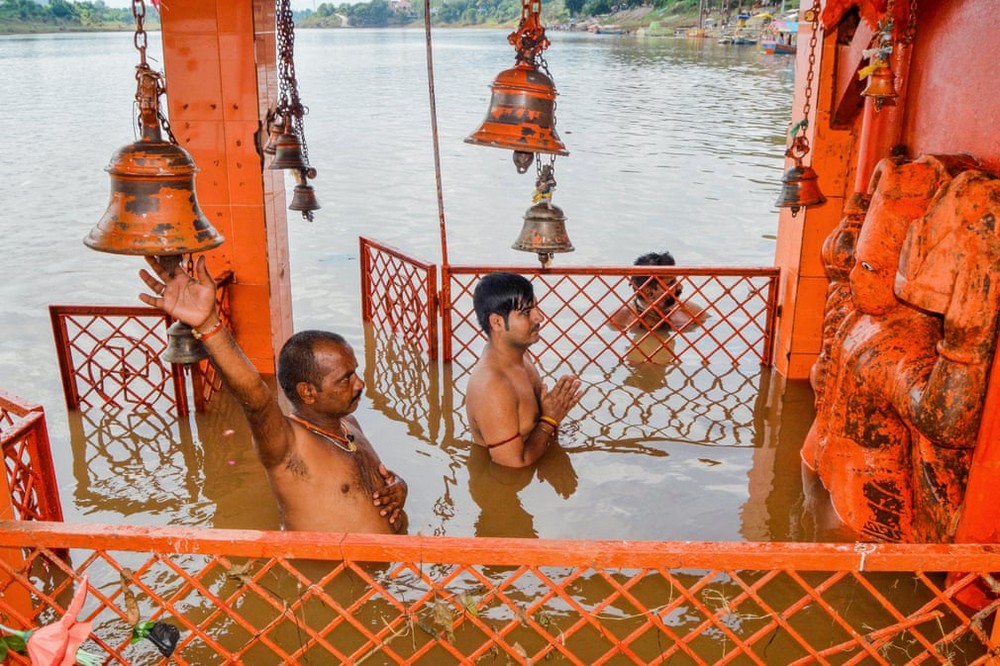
(297, 361)
(655, 259)
(651, 259)
(501, 293)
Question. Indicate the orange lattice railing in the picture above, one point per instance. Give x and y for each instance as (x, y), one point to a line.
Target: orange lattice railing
(109, 356)
(29, 475)
(247, 597)
(740, 305)
(399, 293)
(698, 384)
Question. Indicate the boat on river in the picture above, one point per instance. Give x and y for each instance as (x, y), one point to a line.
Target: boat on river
(780, 37)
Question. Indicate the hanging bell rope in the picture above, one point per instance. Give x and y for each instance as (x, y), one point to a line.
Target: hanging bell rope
(287, 141)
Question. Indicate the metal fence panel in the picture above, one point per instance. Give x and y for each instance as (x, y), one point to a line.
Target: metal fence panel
(399, 294)
(246, 597)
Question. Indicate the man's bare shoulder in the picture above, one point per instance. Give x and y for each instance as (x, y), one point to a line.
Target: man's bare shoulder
(487, 378)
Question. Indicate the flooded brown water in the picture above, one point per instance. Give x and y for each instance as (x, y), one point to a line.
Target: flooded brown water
(674, 144)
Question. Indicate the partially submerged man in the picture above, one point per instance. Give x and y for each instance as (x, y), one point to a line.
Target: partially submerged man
(511, 412)
(656, 303)
(323, 471)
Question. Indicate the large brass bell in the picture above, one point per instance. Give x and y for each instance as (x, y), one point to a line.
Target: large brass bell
(288, 153)
(800, 188)
(153, 209)
(881, 86)
(543, 232)
(521, 116)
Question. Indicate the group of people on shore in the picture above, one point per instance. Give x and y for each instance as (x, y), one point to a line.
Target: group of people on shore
(323, 471)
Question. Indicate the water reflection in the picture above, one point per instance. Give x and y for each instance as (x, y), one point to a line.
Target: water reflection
(116, 452)
(495, 490)
(716, 449)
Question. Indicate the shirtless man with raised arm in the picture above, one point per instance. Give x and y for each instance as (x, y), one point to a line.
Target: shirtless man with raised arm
(323, 471)
(511, 412)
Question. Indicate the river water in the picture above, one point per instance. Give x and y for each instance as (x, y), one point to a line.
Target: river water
(675, 144)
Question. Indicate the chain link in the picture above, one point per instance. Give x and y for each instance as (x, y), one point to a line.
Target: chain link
(911, 24)
(139, 39)
(290, 107)
(810, 74)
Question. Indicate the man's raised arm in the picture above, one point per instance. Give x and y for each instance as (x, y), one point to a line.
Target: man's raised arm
(191, 299)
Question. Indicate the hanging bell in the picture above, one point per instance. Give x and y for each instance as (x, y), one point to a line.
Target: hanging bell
(288, 152)
(521, 116)
(153, 209)
(800, 188)
(277, 129)
(304, 199)
(182, 347)
(543, 232)
(881, 86)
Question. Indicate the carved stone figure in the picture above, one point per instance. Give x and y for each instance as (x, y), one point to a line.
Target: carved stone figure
(901, 379)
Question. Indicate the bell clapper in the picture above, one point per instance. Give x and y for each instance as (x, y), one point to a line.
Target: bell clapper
(523, 160)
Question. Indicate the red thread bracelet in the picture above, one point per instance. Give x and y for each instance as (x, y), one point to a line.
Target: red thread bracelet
(209, 333)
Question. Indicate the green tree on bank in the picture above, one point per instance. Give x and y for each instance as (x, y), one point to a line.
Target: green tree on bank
(21, 16)
(380, 13)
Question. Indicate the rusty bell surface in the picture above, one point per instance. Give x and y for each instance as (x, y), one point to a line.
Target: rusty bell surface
(153, 210)
(521, 116)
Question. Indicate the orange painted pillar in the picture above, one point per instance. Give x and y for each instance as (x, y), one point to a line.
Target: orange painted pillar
(800, 238)
(221, 78)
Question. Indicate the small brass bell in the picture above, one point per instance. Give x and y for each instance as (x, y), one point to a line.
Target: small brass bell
(288, 151)
(182, 347)
(881, 86)
(521, 116)
(304, 199)
(277, 129)
(543, 232)
(800, 188)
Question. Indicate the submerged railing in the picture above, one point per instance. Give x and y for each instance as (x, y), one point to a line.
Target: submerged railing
(399, 294)
(246, 597)
(30, 490)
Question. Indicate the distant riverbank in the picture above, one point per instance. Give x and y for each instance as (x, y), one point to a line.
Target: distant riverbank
(631, 19)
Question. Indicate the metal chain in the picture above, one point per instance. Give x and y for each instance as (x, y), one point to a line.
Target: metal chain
(289, 105)
(810, 74)
(142, 71)
(911, 24)
(139, 39)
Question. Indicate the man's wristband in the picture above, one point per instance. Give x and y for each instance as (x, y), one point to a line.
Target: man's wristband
(198, 335)
(551, 421)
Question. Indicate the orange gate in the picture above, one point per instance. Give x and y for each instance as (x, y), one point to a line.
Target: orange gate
(29, 476)
(248, 597)
(109, 356)
(399, 293)
(740, 305)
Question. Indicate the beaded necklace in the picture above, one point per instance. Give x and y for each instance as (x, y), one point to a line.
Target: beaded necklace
(344, 443)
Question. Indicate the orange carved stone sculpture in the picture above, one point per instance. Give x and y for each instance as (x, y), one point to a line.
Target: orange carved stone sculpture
(902, 374)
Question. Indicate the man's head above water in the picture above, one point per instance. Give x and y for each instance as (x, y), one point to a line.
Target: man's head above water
(318, 358)
(651, 287)
(500, 294)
